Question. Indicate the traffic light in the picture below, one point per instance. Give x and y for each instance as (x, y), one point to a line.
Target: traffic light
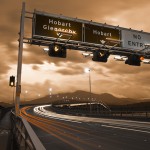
(12, 81)
(133, 60)
(100, 56)
(56, 50)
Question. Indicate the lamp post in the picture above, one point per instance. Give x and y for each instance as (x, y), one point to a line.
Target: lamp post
(50, 94)
(50, 89)
(13, 96)
(25, 95)
(87, 70)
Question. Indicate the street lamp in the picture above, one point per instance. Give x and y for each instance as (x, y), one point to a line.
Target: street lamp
(87, 70)
(25, 95)
(50, 89)
(26, 91)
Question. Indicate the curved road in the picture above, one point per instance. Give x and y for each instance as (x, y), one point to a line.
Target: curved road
(63, 132)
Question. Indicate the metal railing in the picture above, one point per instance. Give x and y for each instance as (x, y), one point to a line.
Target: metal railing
(104, 113)
(131, 114)
(24, 136)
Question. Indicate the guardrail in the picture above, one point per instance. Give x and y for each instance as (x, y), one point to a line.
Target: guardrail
(24, 136)
(3, 111)
(131, 114)
(104, 113)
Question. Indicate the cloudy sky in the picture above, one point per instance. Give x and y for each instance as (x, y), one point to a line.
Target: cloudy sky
(41, 72)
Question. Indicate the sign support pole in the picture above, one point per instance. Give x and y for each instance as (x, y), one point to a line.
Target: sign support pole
(19, 67)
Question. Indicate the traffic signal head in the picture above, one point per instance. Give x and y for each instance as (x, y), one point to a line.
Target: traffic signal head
(56, 50)
(133, 60)
(100, 56)
(12, 81)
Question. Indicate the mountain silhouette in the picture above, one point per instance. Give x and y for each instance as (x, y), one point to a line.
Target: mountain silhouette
(83, 96)
(80, 96)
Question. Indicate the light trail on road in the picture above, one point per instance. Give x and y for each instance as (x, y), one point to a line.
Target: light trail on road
(86, 133)
(123, 124)
(56, 129)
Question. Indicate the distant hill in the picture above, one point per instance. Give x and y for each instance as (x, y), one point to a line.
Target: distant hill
(83, 96)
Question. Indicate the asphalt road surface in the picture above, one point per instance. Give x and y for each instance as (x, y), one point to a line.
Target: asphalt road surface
(63, 132)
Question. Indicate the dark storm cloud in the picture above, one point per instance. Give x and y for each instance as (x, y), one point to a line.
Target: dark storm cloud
(3, 68)
(68, 71)
(33, 56)
(36, 55)
(139, 79)
(34, 91)
(9, 25)
(87, 9)
(5, 59)
(76, 57)
(35, 67)
(119, 67)
(71, 69)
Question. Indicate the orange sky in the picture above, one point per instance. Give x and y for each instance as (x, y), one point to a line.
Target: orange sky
(40, 72)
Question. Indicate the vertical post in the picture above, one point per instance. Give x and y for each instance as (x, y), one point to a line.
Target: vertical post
(90, 90)
(19, 67)
(87, 70)
(13, 102)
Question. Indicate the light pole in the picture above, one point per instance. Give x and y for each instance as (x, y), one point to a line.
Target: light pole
(26, 92)
(50, 93)
(50, 89)
(87, 70)
(13, 96)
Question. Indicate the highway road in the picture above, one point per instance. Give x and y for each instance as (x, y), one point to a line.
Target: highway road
(63, 132)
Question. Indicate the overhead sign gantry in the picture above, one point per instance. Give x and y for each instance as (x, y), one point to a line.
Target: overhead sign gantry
(89, 36)
(98, 34)
(135, 40)
(60, 33)
(51, 26)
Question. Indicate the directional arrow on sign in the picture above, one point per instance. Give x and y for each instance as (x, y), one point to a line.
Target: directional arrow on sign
(102, 41)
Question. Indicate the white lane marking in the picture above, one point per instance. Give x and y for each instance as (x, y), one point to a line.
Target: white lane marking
(125, 128)
(129, 126)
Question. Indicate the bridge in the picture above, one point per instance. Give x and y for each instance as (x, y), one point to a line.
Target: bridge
(50, 127)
